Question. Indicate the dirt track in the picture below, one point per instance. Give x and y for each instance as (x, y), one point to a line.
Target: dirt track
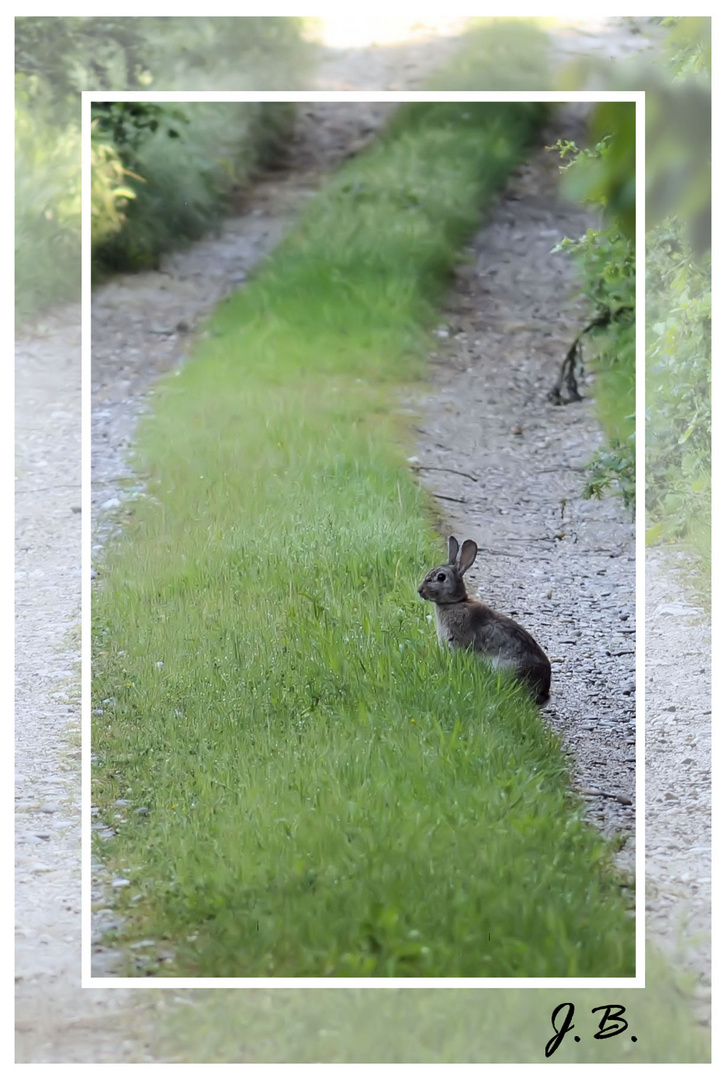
(136, 337)
(508, 466)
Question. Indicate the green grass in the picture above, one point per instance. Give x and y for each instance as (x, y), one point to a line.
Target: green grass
(613, 464)
(322, 791)
(432, 1025)
(498, 53)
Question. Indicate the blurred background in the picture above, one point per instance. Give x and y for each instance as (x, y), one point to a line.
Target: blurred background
(164, 176)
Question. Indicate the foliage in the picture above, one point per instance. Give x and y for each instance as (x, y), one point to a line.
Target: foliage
(676, 79)
(47, 212)
(604, 175)
(68, 54)
(110, 191)
(251, 52)
(181, 185)
(678, 387)
(688, 46)
(614, 464)
(678, 125)
(678, 284)
(129, 123)
(57, 57)
(324, 792)
(678, 274)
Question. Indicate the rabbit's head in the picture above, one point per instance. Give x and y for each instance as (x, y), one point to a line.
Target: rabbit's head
(445, 584)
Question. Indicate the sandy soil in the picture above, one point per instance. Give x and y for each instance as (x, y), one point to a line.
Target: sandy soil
(490, 372)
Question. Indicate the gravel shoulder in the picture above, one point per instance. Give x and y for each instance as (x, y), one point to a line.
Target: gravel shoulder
(678, 771)
(142, 326)
(492, 369)
(507, 467)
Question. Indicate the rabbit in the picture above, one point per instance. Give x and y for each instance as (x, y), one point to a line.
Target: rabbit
(464, 623)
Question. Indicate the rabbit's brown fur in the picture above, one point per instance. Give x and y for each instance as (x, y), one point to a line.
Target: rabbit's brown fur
(464, 623)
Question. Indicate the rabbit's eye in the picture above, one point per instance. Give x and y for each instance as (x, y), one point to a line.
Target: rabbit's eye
(441, 577)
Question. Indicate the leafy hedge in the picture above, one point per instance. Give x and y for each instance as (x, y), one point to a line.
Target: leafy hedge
(157, 191)
(181, 165)
(678, 286)
(604, 175)
(678, 386)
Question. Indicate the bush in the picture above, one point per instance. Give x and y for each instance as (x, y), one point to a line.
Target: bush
(678, 386)
(136, 217)
(604, 175)
(47, 211)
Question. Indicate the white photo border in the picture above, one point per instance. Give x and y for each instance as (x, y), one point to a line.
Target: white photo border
(305, 96)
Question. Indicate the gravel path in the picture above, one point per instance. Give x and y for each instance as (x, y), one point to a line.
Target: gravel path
(142, 325)
(141, 328)
(678, 772)
(508, 466)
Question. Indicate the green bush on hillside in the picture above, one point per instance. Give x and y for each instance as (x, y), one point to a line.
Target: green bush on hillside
(136, 217)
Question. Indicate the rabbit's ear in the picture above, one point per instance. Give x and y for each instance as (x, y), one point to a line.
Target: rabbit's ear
(453, 549)
(469, 552)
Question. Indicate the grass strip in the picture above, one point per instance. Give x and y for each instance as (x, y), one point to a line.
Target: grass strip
(308, 786)
(437, 1025)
